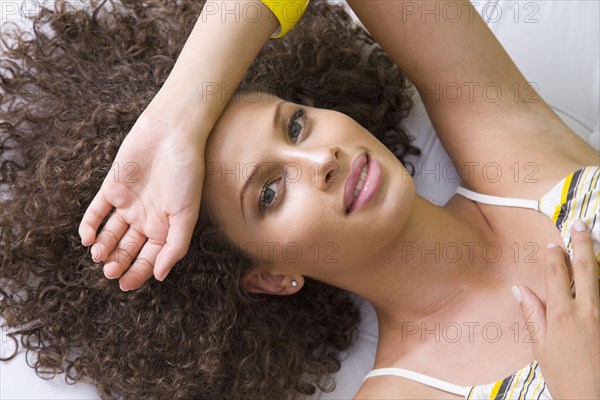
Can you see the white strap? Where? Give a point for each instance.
(497, 201)
(424, 379)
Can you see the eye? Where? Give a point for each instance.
(297, 124)
(269, 194)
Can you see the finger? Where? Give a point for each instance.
(109, 237)
(558, 287)
(534, 314)
(142, 268)
(585, 267)
(93, 217)
(178, 242)
(124, 254)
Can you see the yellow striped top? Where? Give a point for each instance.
(574, 197)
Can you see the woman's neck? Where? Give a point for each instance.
(436, 266)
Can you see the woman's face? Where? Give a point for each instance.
(275, 180)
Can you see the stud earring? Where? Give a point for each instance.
(294, 283)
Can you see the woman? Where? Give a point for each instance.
(253, 357)
(195, 335)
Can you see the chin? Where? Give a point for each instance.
(404, 198)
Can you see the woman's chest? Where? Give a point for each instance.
(488, 340)
(518, 251)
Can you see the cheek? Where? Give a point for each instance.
(304, 223)
(298, 232)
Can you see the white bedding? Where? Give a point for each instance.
(554, 43)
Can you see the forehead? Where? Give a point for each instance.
(248, 115)
(239, 141)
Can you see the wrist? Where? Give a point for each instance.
(183, 114)
(216, 55)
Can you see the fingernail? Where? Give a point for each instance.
(121, 287)
(110, 277)
(96, 251)
(517, 293)
(551, 245)
(163, 275)
(579, 225)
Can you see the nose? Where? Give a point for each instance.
(318, 166)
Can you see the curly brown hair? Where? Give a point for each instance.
(71, 91)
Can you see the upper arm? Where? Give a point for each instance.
(494, 125)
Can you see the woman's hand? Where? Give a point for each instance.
(155, 185)
(156, 181)
(568, 337)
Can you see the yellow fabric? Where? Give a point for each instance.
(287, 12)
(495, 389)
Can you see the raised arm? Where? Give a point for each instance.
(481, 106)
(154, 187)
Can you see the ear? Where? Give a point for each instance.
(270, 282)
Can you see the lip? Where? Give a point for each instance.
(370, 185)
(353, 179)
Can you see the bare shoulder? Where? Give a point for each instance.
(522, 156)
(396, 388)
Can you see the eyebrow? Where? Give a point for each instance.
(252, 176)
